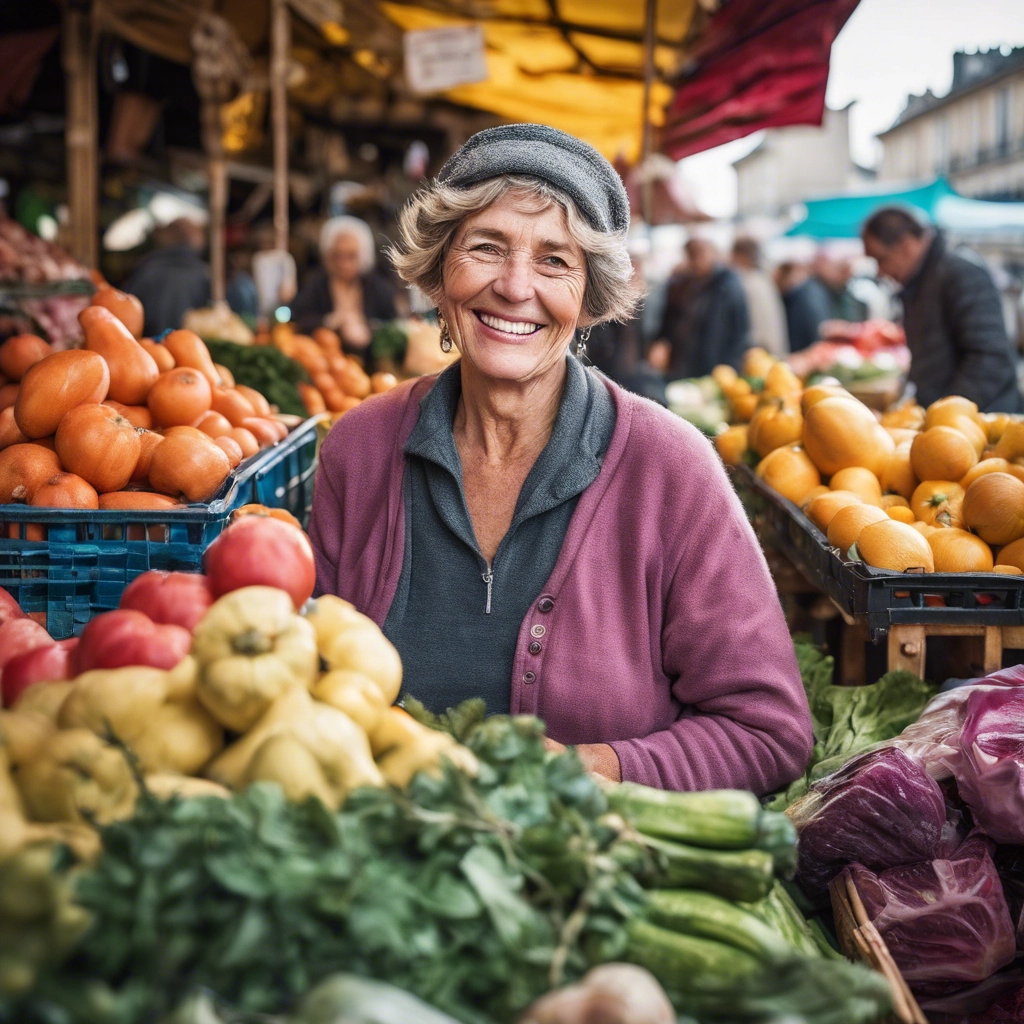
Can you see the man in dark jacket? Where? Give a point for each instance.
(951, 313)
(173, 278)
(706, 320)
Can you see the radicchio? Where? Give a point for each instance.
(990, 771)
(881, 809)
(945, 922)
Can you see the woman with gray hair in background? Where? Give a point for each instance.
(527, 532)
(346, 293)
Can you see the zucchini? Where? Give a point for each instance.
(742, 875)
(685, 964)
(710, 917)
(776, 835)
(778, 911)
(723, 819)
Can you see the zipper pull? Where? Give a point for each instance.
(488, 578)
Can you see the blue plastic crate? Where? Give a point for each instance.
(88, 558)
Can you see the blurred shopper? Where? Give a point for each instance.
(346, 293)
(829, 290)
(951, 313)
(173, 278)
(240, 291)
(767, 313)
(799, 302)
(706, 321)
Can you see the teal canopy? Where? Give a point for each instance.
(842, 216)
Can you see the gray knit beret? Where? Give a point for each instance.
(557, 157)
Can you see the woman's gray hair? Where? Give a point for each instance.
(359, 230)
(428, 223)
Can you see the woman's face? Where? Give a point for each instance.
(513, 289)
(343, 258)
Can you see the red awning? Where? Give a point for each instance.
(761, 64)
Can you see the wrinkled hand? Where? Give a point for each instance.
(597, 758)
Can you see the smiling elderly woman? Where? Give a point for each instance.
(525, 531)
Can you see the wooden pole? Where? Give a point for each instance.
(81, 131)
(280, 43)
(218, 171)
(647, 183)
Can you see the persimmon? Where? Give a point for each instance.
(942, 453)
(255, 399)
(57, 384)
(227, 378)
(214, 425)
(145, 501)
(126, 307)
(262, 430)
(9, 432)
(788, 470)
(21, 352)
(100, 445)
(994, 508)
(133, 371)
(66, 490)
(231, 448)
(148, 441)
(892, 545)
(163, 359)
(188, 467)
(821, 509)
(328, 340)
(314, 401)
(245, 440)
(263, 510)
(382, 382)
(959, 551)
(847, 523)
(841, 432)
(232, 405)
(189, 350)
(24, 468)
(179, 397)
(138, 415)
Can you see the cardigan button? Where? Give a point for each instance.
(545, 604)
(529, 677)
(535, 648)
(537, 631)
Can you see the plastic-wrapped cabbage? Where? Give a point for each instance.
(945, 921)
(990, 770)
(880, 810)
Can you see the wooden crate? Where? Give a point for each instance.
(860, 940)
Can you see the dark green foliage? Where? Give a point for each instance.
(266, 370)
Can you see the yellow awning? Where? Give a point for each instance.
(572, 64)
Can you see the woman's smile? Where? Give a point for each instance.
(507, 328)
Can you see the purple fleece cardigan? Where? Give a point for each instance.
(661, 632)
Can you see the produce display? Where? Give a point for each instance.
(928, 825)
(934, 490)
(854, 352)
(27, 259)
(124, 422)
(336, 382)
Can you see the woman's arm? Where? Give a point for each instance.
(745, 722)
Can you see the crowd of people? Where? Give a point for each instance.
(713, 306)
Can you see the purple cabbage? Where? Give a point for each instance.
(990, 770)
(945, 922)
(881, 809)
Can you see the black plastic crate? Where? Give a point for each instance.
(883, 597)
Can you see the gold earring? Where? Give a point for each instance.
(446, 338)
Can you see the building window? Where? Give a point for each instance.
(1002, 120)
(941, 145)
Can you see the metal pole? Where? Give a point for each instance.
(79, 58)
(647, 184)
(281, 31)
(218, 171)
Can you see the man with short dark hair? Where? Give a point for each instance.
(951, 313)
(706, 321)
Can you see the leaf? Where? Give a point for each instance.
(498, 886)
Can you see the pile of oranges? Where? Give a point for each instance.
(124, 422)
(339, 382)
(938, 489)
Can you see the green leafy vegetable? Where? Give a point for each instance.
(265, 369)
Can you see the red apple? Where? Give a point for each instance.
(9, 608)
(170, 598)
(47, 664)
(18, 636)
(260, 551)
(127, 637)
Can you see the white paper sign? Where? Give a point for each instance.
(440, 58)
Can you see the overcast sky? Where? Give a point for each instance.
(887, 49)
